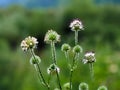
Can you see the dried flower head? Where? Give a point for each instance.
(52, 36)
(66, 86)
(76, 25)
(35, 60)
(77, 49)
(65, 47)
(102, 88)
(83, 86)
(52, 69)
(29, 43)
(89, 57)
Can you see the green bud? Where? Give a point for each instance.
(66, 86)
(102, 88)
(83, 86)
(65, 47)
(56, 89)
(77, 49)
(35, 60)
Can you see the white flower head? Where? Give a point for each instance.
(29, 43)
(52, 36)
(52, 69)
(89, 57)
(76, 25)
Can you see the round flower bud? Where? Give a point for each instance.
(83, 86)
(89, 57)
(76, 25)
(66, 86)
(52, 36)
(29, 43)
(56, 89)
(35, 60)
(77, 49)
(52, 69)
(102, 88)
(65, 47)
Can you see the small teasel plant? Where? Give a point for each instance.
(102, 88)
(89, 58)
(76, 26)
(83, 86)
(51, 38)
(29, 44)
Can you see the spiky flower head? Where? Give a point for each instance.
(102, 88)
(76, 25)
(35, 60)
(66, 86)
(83, 86)
(89, 57)
(65, 47)
(77, 49)
(29, 43)
(52, 36)
(52, 69)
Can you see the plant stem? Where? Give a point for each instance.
(39, 70)
(53, 52)
(71, 71)
(67, 57)
(91, 71)
(55, 62)
(76, 37)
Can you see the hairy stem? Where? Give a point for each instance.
(91, 71)
(71, 71)
(53, 52)
(40, 73)
(76, 37)
(55, 62)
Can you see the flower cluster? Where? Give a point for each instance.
(52, 36)
(76, 25)
(29, 43)
(89, 57)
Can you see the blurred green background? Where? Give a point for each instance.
(102, 35)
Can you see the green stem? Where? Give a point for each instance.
(55, 62)
(53, 52)
(49, 79)
(39, 70)
(76, 37)
(91, 71)
(67, 57)
(71, 71)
